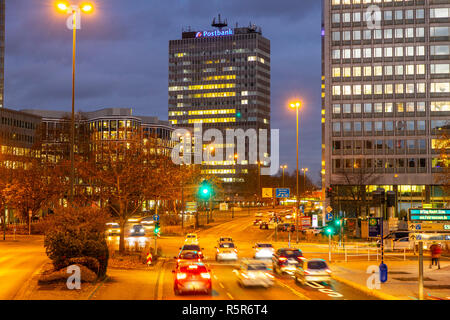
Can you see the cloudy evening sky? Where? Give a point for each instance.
(123, 58)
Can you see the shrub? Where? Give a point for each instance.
(77, 232)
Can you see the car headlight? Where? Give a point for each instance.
(142, 230)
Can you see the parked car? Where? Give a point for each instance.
(312, 270)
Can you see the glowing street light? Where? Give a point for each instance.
(297, 105)
(74, 11)
(283, 168)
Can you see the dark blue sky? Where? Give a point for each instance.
(123, 58)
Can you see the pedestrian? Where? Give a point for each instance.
(435, 250)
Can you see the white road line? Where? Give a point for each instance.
(215, 277)
(221, 285)
(294, 291)
(230, 296)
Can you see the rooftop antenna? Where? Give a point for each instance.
(220, 23)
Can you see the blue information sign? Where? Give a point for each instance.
(282, 192)
(429, 214)
(329, 216)
(155, 217)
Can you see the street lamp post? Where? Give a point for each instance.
(297, 105)
(283, 168)
(74, 11)
(305, 170)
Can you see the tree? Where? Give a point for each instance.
(443, 177)
(6, 178)
(35, 186)
(122, 175)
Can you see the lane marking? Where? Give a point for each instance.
(221, 285)
(230, 296)
(215, 277)
(301, 295)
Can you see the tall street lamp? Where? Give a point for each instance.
(283, 168)
(297, 105)
(74, 11)
(305, 170)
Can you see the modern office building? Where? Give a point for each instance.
(221, 79)
(110, 124)
(386, 97)
(2, 52)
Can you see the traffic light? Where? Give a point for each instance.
(329, 192)
(329, 230)
(157, 229)
(205, 190)
(337, 223)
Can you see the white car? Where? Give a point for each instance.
(226, 251)
(254, 273)
(263, 251)
(312, 270)
(191, 238)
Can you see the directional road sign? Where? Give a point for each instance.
(156, 217)
(282, 192)
(329, 216)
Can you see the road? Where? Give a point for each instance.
(157, 282)
(19, 260)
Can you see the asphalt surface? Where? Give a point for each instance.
(19, 260)
(156, 283)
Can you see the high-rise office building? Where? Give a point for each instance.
(221, 79)
(2, 52)
(386, 97)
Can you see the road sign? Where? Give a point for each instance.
(429, 226)
(429, 215)
(329, 209)
(329, 216)
(267, 192)
(191, 206)
(282, 192)
(374, 227)
(156, 217)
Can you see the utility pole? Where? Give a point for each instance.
(420, 270)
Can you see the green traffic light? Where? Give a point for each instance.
(337, 222)
(329, 230)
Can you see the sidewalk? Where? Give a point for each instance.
(402, 281)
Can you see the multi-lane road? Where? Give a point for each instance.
(157, 282)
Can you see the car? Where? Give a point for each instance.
(312, 270)
(286, 260)
(272, 225)
(112, 229)
(258, 215)
(257, 222)
(264, 225)
(263, 250)
(191, 238)
(148, 223)
(313, 230)
(393, 236)
(226, 251)
(402, 243)
(188, 256)
(285, 227)
(225, 239)
(193, 247)
(137, 230)
(254, 273)
(192, 277)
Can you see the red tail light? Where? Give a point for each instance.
(282, 259)
(307, 272)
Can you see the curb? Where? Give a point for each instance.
(371, 292)
(26, 289)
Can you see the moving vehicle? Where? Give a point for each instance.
(225, 239)
(263, 250)
(148, 223)
(264, 225)
(285, 227)
(112, 229)
(286, 260)
(257, 222)
(226, 251)
(137, 230)
(192, 277)
(191, 238)
(188, 256)
(193, 247)
(312, 270)
(393, 236)
(258, 215)
(254, 273)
